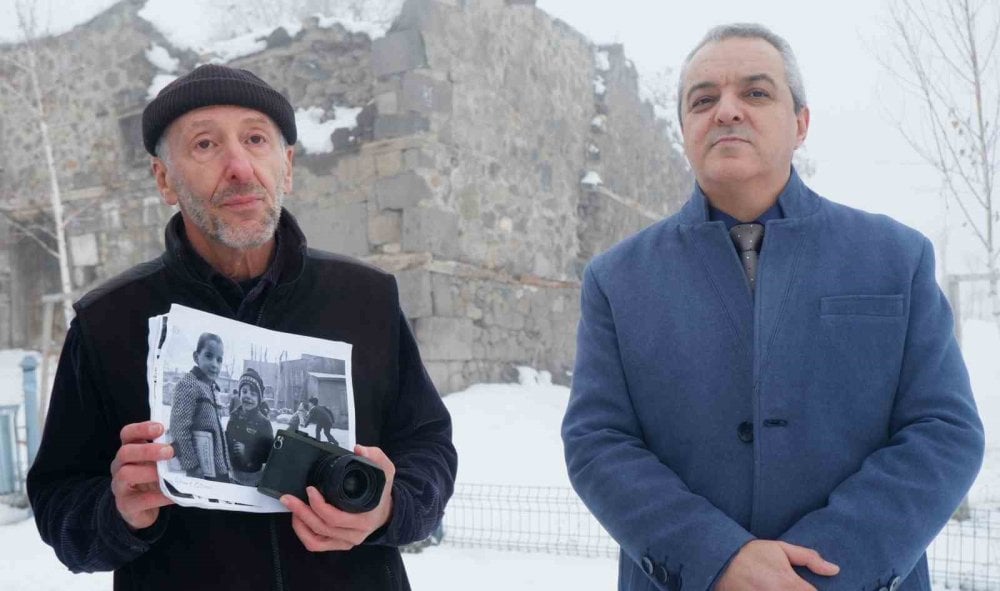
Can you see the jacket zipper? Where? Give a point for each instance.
(279, 585)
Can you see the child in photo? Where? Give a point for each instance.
(323, 418)
(194, 415)
(249, 432)
(298, 418)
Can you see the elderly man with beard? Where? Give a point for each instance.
(221, 140)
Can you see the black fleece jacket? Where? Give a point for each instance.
(100, 387)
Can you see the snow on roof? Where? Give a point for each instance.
(591, 179)
(602, 59)
(161, 58)
(315, 133)
(599, 86)
(222, 36)
(188, 24)
(159, 81)
(372, 17)
(326, 376)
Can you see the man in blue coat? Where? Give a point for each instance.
(768, 394)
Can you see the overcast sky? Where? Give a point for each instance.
(860, 157)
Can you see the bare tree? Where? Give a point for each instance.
(25, 62)
(944, 54)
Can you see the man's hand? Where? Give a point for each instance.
(133, 474)
(767, 565)
(322, 527)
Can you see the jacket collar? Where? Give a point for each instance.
(796, 201)
(289, 258)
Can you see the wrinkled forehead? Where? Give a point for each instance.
(219, 117)
(733, 60)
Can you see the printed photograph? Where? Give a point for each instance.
(223, 389)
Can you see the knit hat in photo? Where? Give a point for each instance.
(252, 379)
(211, 85)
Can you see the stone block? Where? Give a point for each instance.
(445, 339)
(424, 94)
(341, 228)
(430, 230)
(386, 227)
(443, 295)
(401, 191)
(387, 103)
(389, 163)
(414, 158)
(415, 292)
(390, 126)
(398, 52)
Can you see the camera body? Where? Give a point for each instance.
(347, 481)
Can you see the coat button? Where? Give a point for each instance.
(661, 574)
(647, 566)
(895, 583)
(745, 431)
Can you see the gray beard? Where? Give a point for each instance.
(242, 237)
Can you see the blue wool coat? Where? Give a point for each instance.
(832, 411)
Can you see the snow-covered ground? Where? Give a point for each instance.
(496, 425)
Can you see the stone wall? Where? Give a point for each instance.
(464, 176)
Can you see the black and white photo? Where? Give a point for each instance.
(224, 388)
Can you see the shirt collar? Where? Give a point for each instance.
(773, 213)
(795, 201)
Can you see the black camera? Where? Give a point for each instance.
(347, 481)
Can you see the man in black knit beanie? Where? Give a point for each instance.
(222, 146)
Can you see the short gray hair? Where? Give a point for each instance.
(750, 31)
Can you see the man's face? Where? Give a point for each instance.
(228, 173)
(739, 119)
(209, 358)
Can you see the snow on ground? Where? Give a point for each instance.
(981, 348)
(446, 568)
(497, 426)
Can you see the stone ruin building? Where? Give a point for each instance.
(495, 151)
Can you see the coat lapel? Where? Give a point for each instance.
(780, 261)
(721, 265)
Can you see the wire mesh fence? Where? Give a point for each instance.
(964, 556)
(525, 518)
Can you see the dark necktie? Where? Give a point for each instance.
(747, 238)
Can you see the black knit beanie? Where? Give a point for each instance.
(210, 85)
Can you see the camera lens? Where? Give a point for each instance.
(355, 483)
(348, 482)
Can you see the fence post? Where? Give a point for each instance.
(31, 419)
(9, 475)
